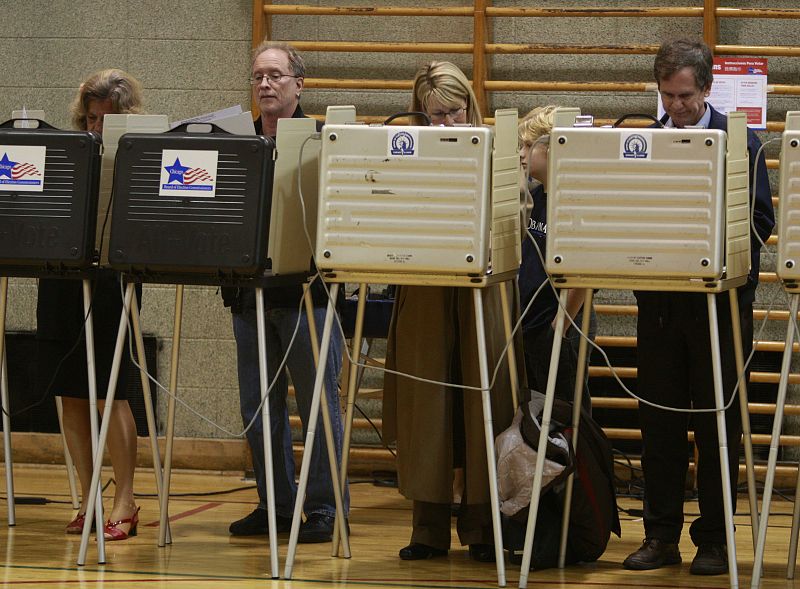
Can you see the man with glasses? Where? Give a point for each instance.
(277, 75)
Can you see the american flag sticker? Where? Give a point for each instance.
(188, 172)
(22, 168)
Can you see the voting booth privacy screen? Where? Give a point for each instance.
(191, 203)
(653, 205)
(788, 267)
(48, 198)
(418, 200)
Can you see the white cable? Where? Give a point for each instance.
(757, 339)
(357, 361)
(194, 411)
(501, 358)
(753, 186)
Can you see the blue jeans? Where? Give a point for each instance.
(280, 323)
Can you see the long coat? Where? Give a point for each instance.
(433, 335)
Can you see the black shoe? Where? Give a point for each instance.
(711, 559)
(653, 554)
(482, 552)
(416, 551)
(255, 524)
(317, 528)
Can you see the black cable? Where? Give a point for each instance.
(200, 494)
(377, 432)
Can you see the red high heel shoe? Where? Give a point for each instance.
(112, 532)
(76, 525)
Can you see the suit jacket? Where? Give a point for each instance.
(760, 202)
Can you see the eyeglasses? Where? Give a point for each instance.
(453, 114)
(271, 78)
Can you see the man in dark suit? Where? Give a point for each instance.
(674, 353)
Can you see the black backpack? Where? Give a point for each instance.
(593, 514)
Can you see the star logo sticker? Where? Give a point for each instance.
(6, 165)
(175, 171)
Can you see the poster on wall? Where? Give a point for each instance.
(740, 83)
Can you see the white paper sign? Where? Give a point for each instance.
(22, 168)
(740, 83)
(188, 172)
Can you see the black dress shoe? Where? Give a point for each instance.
(416, 551)
(653, 554)
(255, 524)
(317, 528)
(711, 559)
(482, 552)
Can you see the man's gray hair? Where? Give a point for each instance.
(295, 59)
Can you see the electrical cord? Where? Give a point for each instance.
(337, 320)
(197, 413)
(498, 365)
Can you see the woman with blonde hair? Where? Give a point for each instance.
(432, 335)
(61, 343)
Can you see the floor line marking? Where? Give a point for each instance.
(184, 514)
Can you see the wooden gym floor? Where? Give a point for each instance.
(38, 554)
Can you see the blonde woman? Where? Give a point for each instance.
(432, 335)
(60, 325)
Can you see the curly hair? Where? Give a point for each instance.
(124, 91)
(443, 81)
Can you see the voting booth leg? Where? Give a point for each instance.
(747, 441)
(101, 442)
(170, 436)
(147, 395)
(92, 381)
(266, 429)
(326, 422)
(509, 329)
(310, 433)
(796, 512)
(70, 466)
(790, 566)
(783, 385)
(725, 472)
(533, 510)
(12, 518)
(352, 383)
(488, 430)
(577, 402)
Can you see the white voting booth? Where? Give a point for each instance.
(422, 206)
(788, 270)
(648, 209)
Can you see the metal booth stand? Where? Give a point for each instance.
(356, 177)
(58, 176)
(165, 230)
(787, 270)
(602, 261)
